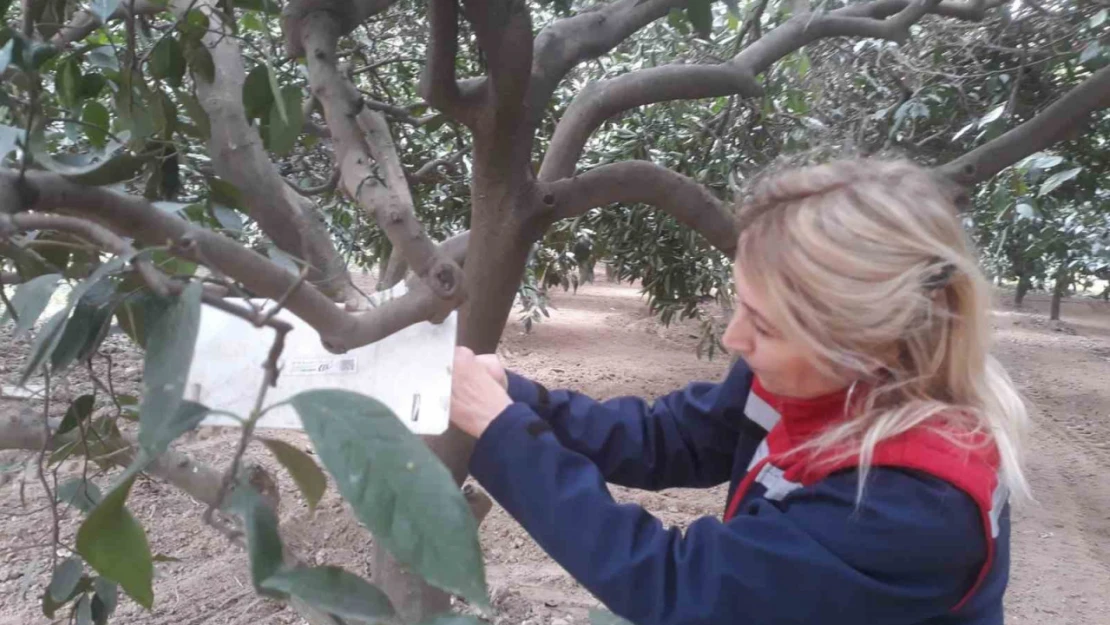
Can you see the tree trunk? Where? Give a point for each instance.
(495, 259)
(1022, 288)
(1058, 292)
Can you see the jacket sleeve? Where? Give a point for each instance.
(907, 553)
(681, 439)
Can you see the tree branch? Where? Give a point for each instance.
(1053, 124)
(238, 156)
(84, 22)
(24, 430)
(503, 29)
(591, 33)
(396, 268)
(136, 218)
(371, 169)
(438, 84)
(348, 15)
(428, 170)
(634, 182)
(603, 99)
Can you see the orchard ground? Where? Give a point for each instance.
(601, 341)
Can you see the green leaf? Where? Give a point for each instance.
(79, 493)
(138, 313)
(51, 333)
(282, 133)
(83, 613)
(700, 15)
(257, 95)
(1057, 179)
(104, 57)
(169, 353)
(87, 327)
(65, 578)
(114, 544)
(334, 591)
(678, 20)
(601, 617)
(67, 82)
(30, 299)
(103, 9)
(223, 192)
(228, 218)
(167, 61)
(196, 113)
(200, 60)
(78, 411)
(105, 599)
(96, 119)
(993, 115)
(306, 473)
(392, 480)
(1098, 18)
(261, 526)
(91, 86)
(1092, 50)
(276, 93)
(9, 136)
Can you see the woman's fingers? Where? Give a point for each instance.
(476, 396)
(493, 364)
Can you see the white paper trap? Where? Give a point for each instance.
(409, 371)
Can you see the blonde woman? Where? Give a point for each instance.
(870, 440)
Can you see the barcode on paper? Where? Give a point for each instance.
(321, 366)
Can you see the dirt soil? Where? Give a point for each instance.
(601, 341)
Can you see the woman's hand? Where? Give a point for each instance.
(477, 397)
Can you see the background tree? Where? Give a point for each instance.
(277, 146)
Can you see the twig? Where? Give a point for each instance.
(375, 65)
(48, 437)
(280, 303)
(270, 379)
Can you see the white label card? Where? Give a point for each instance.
(410, 371)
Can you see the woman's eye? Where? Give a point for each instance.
(761, 331)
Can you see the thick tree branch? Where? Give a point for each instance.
(24, 430)
(1053, 124)
(503, 29)
(396, 268)
(591, 33)
(136, 218)
(888, 19)
(438, 82)
(238, 156)
(429, 170)
(348, 15)
(371, 169)
(603, 99)
(636, 182)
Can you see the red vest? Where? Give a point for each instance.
(971, 465)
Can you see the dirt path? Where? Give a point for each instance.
(603, 341)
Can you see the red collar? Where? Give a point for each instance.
(802, 419)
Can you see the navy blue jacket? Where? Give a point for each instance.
(905, 555)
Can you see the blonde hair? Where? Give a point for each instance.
(866, 262)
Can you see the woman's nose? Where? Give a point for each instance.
(738, 335)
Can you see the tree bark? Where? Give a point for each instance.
(1058, 292)
(1022, 288)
